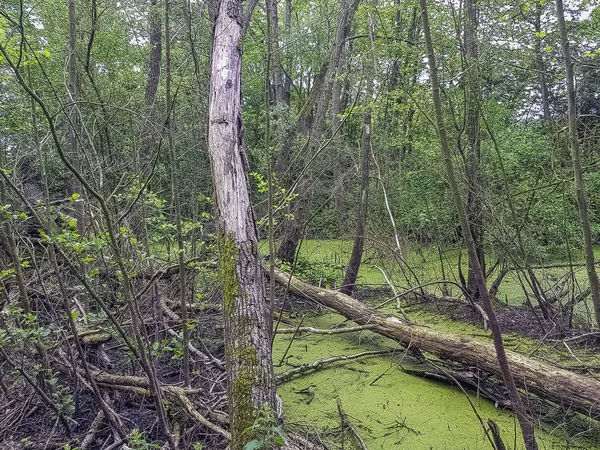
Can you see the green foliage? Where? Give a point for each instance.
(269, 435)
(70, 447)
(322, 273)
(61, 397)
(137, 442)
(122, 140)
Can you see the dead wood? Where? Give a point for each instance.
(495, 431)
(177, 394)
(322, 362)
(567, 389)
(346, 423)
(329, 332)
(468, 377)
(89, 437)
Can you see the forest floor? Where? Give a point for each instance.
(387, 406)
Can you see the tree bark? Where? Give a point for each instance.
(278, 81)
(473, 151)
(404, 74)
(363, 206)
(247, 314)
(576, 156)
(74, 120)
(292, 232)
(155, 42)
(287, 83)
(570, 390)
(541, 68)
(522, 416)
(151, 129)
(338, 167)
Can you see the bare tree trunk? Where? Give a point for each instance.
(247, 313)
(404, 74)
(292, 232)
(576, 155)
(150, 134)
(541, 68)
(155, 43)
(362, 210)
(361, 219)
(337, 108)
(293, 229)
(287, 83)
(74, 121)
(278, 81)
(473, 151)
(519, 409)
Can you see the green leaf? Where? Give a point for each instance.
(255, 444)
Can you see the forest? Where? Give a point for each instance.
(299, 224)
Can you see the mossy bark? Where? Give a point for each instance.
(247, 318)
(247, 336)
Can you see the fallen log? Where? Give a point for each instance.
(570, 390)
(141, 385)
(331, 331)
(323, 362)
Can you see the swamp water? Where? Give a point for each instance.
(389, 408)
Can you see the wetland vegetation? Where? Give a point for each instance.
(299, 224)
(394, 408)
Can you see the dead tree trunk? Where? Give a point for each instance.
(247, 313)
(567, 389)
(361, 218)
(576, 155)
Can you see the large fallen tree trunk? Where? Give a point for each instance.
(570, 390)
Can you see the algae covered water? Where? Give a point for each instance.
(388, 407)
